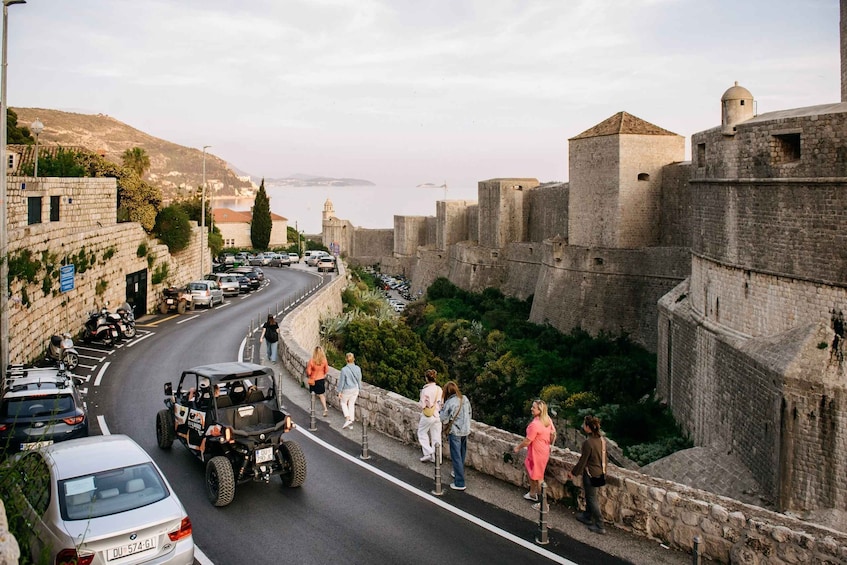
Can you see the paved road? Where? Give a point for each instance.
(347, 511)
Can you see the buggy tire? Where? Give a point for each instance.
(71, 360)
(293, 463)
(180, 307)
(190, 306)
(220, 481)
(165, 432)
(163, 308)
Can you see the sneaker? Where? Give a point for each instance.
(536, 506)
(532, 497)
(585, 519)
(455, 487)
(452, 475)
(326, 413)
(346, 425)
(597, 529)
(426, 458)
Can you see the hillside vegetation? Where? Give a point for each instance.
(175, 169)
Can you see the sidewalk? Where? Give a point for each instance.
(495, 492)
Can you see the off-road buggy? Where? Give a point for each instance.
(227, 415)
(176, 298)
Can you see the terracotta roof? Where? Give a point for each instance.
(225, 215)
(623, 124)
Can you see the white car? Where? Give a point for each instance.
(326, 263)
(101, 500)
(294, 258)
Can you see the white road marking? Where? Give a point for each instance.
(104, 429)
(200, 557)
(188, 319)
(101, 373)
(438, 502)
(140, 339)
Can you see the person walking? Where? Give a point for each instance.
(349, 385)
(270, 333)
(540, 435)
(592, 466)
(456, 414)
(316, 370)
(429, 425)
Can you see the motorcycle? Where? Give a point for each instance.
(61, 350)
(124, 319)
(100, 327)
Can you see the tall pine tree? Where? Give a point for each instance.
(260, 226)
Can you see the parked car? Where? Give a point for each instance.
(238, 433)
(206, 293)
(280, 260)
(260, 259)
(312, 260)
(294, 258)
(244, 285)
(326, 263)
(227, 281)
(101, 500)
(39, 407)
(250, 274)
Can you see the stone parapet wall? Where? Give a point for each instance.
(523, 265)
(548, 212)
(476, 268)
(430, 264)
(670, 513)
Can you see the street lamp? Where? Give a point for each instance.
(203, 211)
(37, 127)
(4, 166)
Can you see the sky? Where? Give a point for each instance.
(405, 92)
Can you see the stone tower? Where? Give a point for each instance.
(736, 107)
(329, 210)
(615, 182)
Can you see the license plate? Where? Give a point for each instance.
(35, 444)
(170, 301)
(264, 455)
(131, 548)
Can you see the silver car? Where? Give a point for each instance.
(228, 282)
(206, 293)
(101, 499)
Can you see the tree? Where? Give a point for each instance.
(136, 160)
(260, 225)
(172, 228)
(14, 134)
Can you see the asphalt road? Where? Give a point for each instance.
(347, 511)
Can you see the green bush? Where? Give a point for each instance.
(172, 228)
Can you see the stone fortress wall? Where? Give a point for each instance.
(85, 231)
(670, 513)
(731, 267)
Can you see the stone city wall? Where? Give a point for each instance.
(587, 288)
(675, 213)
(548, 212)
(504, 211)
(593, 196)
(371, 245)
(430, 264)
(452, 226)
(661, 510)
(476, 268)
(103, 253)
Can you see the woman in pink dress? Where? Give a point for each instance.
(540, 435)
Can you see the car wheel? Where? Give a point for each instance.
(163, 308)
(71, 360)
(165, 432)
(220, 481)
(293, 463)
(180, 307)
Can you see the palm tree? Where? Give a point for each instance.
(136, 160)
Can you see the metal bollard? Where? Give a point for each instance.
(312, 426)
(364, 454)
(437, 491)
(542, 518)
(696, 553)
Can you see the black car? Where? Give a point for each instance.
(243, 284)
(252, 276)
(227, 415)
(40, 406)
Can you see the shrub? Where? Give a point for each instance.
(172, 228)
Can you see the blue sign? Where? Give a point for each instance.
(66, 277)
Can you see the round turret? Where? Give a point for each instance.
(736, 107)
(329, 210)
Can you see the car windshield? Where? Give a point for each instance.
(197, 286)
(37, 406)
(110, 492)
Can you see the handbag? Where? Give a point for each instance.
(446, 429)
(599, 480)
(429, 411)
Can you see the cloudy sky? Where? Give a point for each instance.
(403, 92)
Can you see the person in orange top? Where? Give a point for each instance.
(540, 435)
(316, 370)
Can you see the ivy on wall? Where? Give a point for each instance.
(160, 274)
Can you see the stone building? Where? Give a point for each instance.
(235, 228)
(731, 267)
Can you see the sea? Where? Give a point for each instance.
(364, 206)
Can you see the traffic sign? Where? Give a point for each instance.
(66, 277)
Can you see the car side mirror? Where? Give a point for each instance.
(169, 389)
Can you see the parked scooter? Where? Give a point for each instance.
(100, 327)
(61, 350)
(124, 319)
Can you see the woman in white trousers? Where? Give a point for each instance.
(429, 426)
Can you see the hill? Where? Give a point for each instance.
(174, 168)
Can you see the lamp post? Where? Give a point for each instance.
(36, 127)
(203, 212)
(4, 169)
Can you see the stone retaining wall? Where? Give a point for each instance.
(674, 514)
